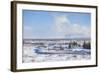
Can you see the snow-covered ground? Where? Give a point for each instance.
(29, 55)
(35, 53)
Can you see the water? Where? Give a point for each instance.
(30, 55)
(50, 52)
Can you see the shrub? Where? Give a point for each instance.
(87, 45)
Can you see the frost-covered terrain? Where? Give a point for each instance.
(48, 52)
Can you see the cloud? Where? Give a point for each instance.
(64, 27)
(60, 22)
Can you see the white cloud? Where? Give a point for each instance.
(60, 22)
(64, 27)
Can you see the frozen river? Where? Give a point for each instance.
(55, 50)
(30, 55)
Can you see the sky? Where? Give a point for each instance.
(51, 24)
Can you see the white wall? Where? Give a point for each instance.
(5, 37)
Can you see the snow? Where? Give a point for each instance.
(30, 54)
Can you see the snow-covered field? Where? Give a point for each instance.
(37, 53)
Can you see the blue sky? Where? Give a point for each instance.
(49, 24)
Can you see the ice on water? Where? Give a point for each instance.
(37, 53)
